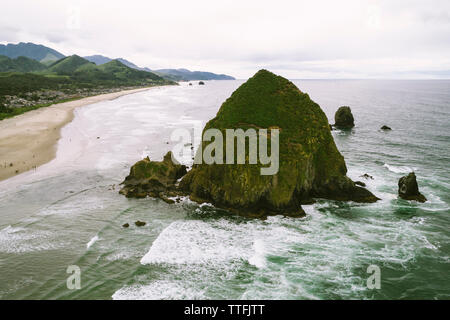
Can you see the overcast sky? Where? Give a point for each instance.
(296, 39)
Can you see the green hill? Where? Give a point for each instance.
(68, 65)
(20, 64)
(121, 71)
(68, 74)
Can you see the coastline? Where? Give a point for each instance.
(29, 140)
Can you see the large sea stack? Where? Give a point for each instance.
(310, 164)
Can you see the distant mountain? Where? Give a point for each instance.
(184, 74)
(30, 50)
(171, 74)
(99, 60)
(57, 63)
(20, 64)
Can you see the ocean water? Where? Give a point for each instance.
(68, 212)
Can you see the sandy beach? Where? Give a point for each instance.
(29, 140)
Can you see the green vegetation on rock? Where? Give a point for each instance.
(153, 178)
(310, 164)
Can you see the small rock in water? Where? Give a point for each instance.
(126, 225)
(140, 223)
(344, 118)
(385, 128)
(166, 200)
(360, 183)
(408, 188)
(366, 176)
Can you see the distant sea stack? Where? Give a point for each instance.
(310, 166)
(408, 188)
(343, 118)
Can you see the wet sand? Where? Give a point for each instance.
(29, 140)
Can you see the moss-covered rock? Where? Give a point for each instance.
(408, 188)
(153, 178)
(310, 164)
(343, 118)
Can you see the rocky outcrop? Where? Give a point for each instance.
(360, 183)
(408, 188)
(153, 178)
(366, 176)
(201, 83)
(343, 118)
(310, 166)
(385, 128)
(140, 223)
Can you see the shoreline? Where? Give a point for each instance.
(29, 140)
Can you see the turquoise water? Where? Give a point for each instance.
(69, 212)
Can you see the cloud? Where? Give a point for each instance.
(355, 38)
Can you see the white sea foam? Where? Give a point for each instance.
(258, 259)
(70, 207)
(399, 169)
(158, 290)
(92, 241)
(196, 242)
(19, 240)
